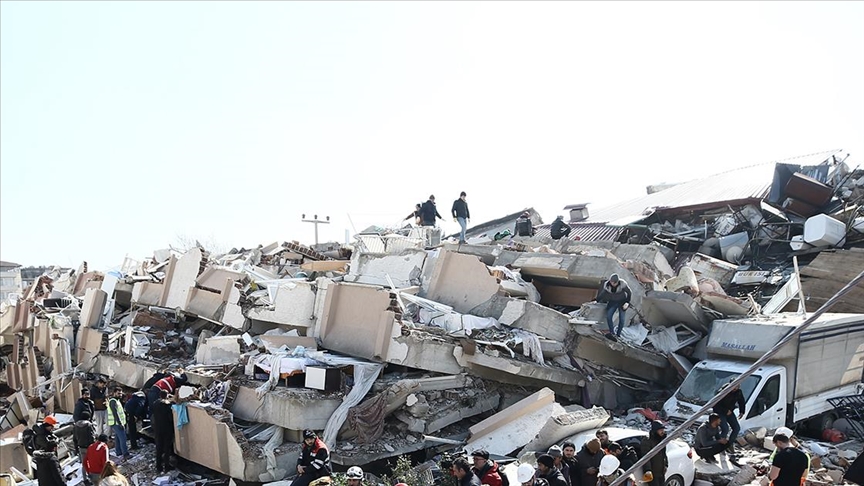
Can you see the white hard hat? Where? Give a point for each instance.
(524, 473)
(784, 430)
(609, 464)
(354, 472)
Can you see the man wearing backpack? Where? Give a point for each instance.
(41, 436)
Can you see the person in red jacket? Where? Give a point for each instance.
(96, 458)
(485, 469)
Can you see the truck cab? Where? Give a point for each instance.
(764, 391)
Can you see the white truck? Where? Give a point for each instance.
(825, 361)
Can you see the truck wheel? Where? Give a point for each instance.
(820, 423)
(675, 480)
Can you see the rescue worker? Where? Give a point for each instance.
(428, 212)
(616, 293)
(136, 409)
(610, 470)
(117, 422)
(655, 468)
(725, 408)
(314, 460)
(485, 468)
(546, 470)
(559, 229)
(162, 425)
(524, 226)
(44, 438)
(464, 476)
(84, 404)
(48, 471)
(526, 476)
(794, 443)
(354, 476)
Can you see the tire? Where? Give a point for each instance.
(675, 480)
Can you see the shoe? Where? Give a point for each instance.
(611, 337)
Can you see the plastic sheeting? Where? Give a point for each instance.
(530, 345)
(364, 376)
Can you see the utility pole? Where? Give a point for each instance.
(316, 221)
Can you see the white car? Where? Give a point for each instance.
(682, 470)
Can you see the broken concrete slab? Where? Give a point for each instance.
(134, 372)
(525, 315)
(424, 352)
(180, 278)
(218, 350)
(574, 420)
(647, 365)
(509, 370)
(352, 311)
(706, 266)
(13, 454)
(294, 305)
(515, 426)
(440, 418)
(91, 310)
(669, 308)
(459, 281)
(292, 408)
(404, 268)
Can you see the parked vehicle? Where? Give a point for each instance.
(793, 388)
(682, 470)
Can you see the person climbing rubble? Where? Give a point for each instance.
(655, 469)
(314, 460)
(485, 468)
(415, 215)
(710, 440)
(617, 294)
(725, 408)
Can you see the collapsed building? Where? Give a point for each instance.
(401, 343)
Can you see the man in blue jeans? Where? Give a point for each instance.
(616, 293)
(725, 408)
(461, 214)
(117, 422)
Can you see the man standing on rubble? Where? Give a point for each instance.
(136, 408)
(588, 462)
(48, 471)
(725, 408)
(485, 468)
(314, 460)
(170, 383)
(709, 439)
(461, 215)
(655, 468)
(151, 395)
(616, 293)
(97, 393)
(84, 404)
(41, 436)
(117, 422)
(96, 458)
(162, 424)
(789, 464)
(83, 434)
(428, 212)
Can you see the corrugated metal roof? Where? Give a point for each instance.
(752, 182)
(585, 231)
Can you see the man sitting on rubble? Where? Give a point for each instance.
(485, 468)
(524, 227)
(314, 460)
(546, 470)
(616, 293)
(559, 228)
(709, 439)
(464, 476)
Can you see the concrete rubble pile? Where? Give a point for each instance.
(406, 341)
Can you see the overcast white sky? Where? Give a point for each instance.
(124, 125)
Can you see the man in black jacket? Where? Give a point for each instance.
(314, 460)
(524, 226)
(462, 470)
(546, 470)
(83, 434)
(589, 462)
(43, 434)
(559, 228)
(48, 471)
(136, 409)
(569, 450)
(655, 469)
(616, 293)
(725, 408)
(709, 440)
(461, 215)
(627, 456)
(162, 425)
(84, 404)
(428, 212)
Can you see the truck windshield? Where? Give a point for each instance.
(702, 384)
